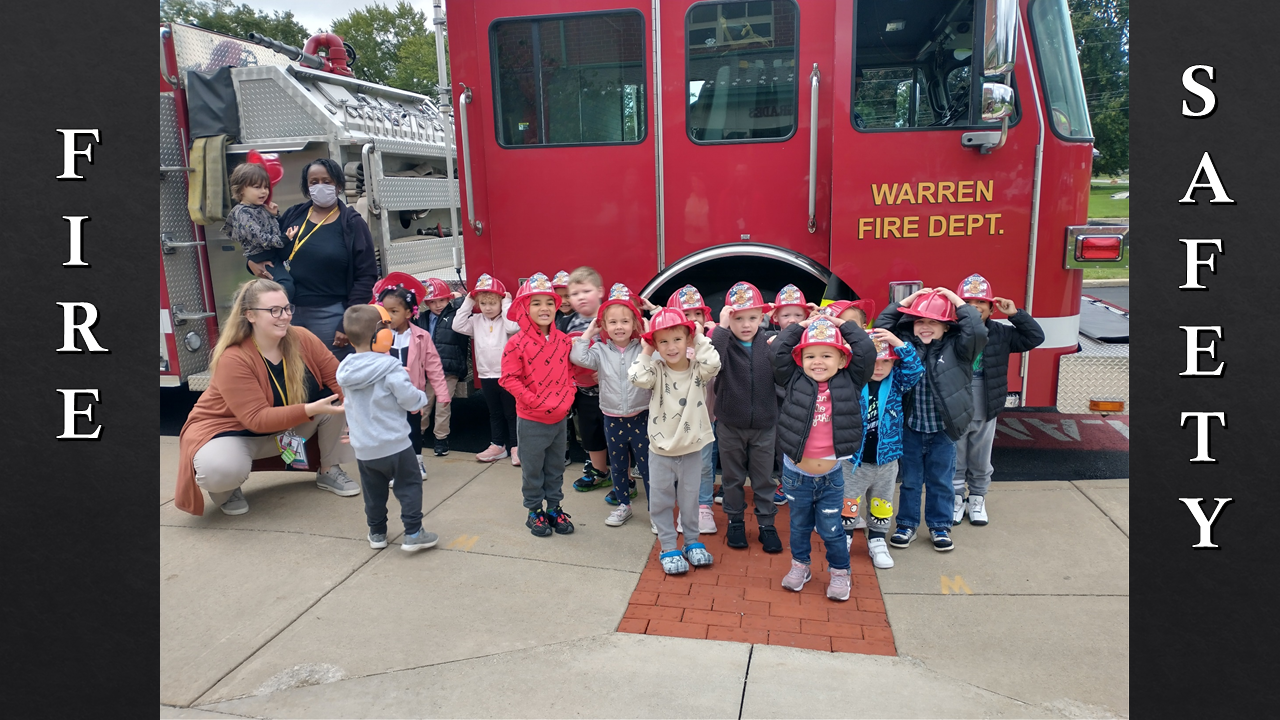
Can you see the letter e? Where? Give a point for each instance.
(1193, 334)
(70, 412)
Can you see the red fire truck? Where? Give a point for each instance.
(852, 147)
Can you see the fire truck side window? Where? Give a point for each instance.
(913, 65)
(587, 85)
(740, 70)
(1056, 54)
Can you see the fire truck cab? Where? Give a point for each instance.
(853, 148)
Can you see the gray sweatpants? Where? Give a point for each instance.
(542, 449)
(376, 477)
(875, 483)
(746, 452)
(973, 449)
(674, 481)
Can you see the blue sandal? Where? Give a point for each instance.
(673, 563)
(697, 554)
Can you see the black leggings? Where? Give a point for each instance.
(415, 431)
(502, 413)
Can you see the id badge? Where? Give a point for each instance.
(292, 449)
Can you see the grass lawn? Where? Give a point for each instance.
(1102, 206)
(1107, 274)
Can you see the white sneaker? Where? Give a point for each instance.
(422, 467)
(680, 523)
(706, 520)
(653, 527)
(848, 541)
(977, 510)
(879, 552)
(957, 512)
(619, 516)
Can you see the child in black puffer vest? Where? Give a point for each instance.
(454, 347)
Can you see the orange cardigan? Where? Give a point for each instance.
(239, 398)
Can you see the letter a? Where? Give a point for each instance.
(1212, 181)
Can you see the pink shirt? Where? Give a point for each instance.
(821, 444)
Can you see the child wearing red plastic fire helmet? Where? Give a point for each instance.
(990, 386)
(689, 301)
(949, 335)
(609, 346)
(535, 369)
(679, 427)
(746, 414)
(442, 307)
(822, 364)
(789, 308)
(483, 317)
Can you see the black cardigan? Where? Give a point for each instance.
(362, 271)
(745, 395)
(795, 417)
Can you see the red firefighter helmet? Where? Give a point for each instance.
(821, 332)
(884, 351)
(744, 296)
(537, 284)
(867, 306)
(401, 280)
(975, 287)
(789, 296)
(665, 319)
(488, 283)
(932, 305)
(561, 280)
(271, 163)
(688, 298)
(620, 294)
(437, 289)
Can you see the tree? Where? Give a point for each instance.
(393, 46)
(238, 20)
(1102, 45)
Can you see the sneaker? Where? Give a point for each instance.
(957, 510)
(236, 504)
(377, 541)
(422, 467)
(717, 496)
(619, 517)
(653, 526)
(420, 540)
(538, 523)
(559, 520)
(442, 447)
(635, 475)
(977, 510)
(591, 479)
(612, 497)
(680, 524)
(838, 588)
(769, 539)
(494, 453)
(697, 555)
(736, 536)
(779, 497)
(673, 562)
(903, 536)
(515, 457)
(706, 520)
(337, 481)
(941, 540)
(879, 553)
(797, 577)
(848, 541)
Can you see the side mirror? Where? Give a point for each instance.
(997, 102)
(1000, 39)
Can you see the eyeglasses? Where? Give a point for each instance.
(277, 311)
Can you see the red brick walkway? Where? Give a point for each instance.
(740, 597)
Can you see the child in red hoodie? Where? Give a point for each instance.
(535, 370)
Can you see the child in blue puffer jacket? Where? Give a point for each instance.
(898, 369)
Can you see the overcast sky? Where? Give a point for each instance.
(314, 14)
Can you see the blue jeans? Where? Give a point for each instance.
(709, 455)
(815, 504)
(928, 459)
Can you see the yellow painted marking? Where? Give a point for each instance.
(464, 542)
(954, 585)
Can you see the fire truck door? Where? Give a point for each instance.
(737, 83)
(560, 138)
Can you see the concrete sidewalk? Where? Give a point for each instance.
(286, 612)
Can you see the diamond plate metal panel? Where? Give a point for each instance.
(1099, 370)
(199, 382)
(403, 193)
(420, 256)
(181, 267)
(268, 112)
(206, 51)
(392, 146)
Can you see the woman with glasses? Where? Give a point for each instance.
(272, 385)
(329, 252)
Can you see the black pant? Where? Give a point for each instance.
(376, 476)
(415, 432)
(502, 413)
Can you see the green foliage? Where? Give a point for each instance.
(1102, 45)
(393, 46)
(237, 20)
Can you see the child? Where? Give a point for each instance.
(398, 293)
(882, 441)
(679, 427)
(747, 413)
(949, 335)
(378, 393)
(561, 285)
(535, 369)
(689, 301)
(454, 348)
(990, 387)
(625, 406)
(789, 308)
(857, 312)
(585, 291)
(253, 222)
(491, 329)
(818, 426)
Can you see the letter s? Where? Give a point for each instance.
(1200, 91)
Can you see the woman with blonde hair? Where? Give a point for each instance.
(271, 382)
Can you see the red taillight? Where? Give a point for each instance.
(1103, 247)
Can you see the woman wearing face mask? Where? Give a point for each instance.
(329, 252)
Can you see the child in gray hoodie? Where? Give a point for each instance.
(378, 394)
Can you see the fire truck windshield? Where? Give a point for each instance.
(1059, 71)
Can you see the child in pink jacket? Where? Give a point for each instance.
(399, 293)
(483, 316)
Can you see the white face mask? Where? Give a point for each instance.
(323, 195)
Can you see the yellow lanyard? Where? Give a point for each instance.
(298, 245)
(284, 365)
